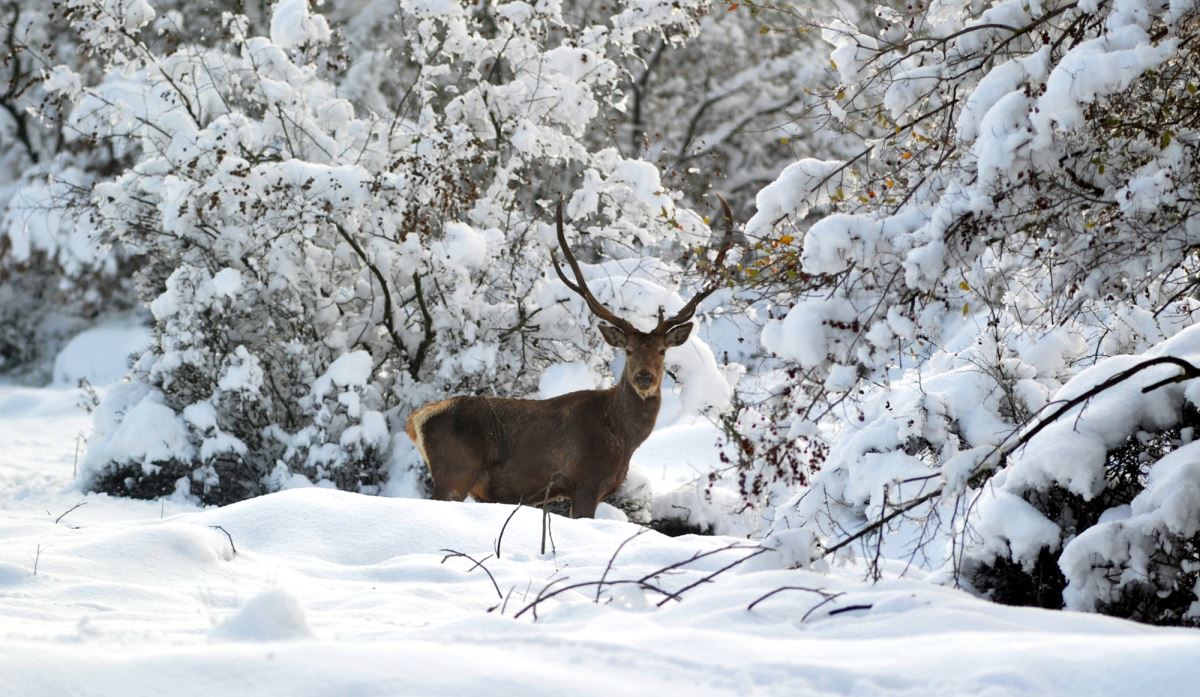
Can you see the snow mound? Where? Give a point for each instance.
(356, 594)
(12, 574)
(347, 528)
(274, 615)
(101, 354)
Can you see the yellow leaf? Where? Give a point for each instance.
(787, 239)
(833, 64)
(906, 155)
(964, 285)
(785, 140)
(966, 309)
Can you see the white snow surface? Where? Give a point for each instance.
(332, 593)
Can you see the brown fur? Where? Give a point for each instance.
(576, 446)
(417, 419)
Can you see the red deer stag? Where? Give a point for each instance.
(576, 446)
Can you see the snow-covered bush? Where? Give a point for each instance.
(1145, 566)
(1023, 206)
(1099, 509)
(317, 266)
(733, 105)
(55, 276)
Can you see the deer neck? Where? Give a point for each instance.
(631, 414)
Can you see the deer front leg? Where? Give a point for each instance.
(584, 501)
(453, 481)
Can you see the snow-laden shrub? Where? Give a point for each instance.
(56, 277)
(729, 108)
(1098, 509)
(1022, 207)
(1143, 562)
(635, 498)
(316, 269)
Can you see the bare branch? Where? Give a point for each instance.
(72, 508)
(451, 554)
(231, 545)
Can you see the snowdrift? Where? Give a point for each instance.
(331, 593)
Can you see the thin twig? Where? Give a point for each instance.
(504, 527)
(876, 573)
(644, 582)
(546, 520)
(613, 558)
(450, 554)
(814, 608)
(718, 572)
(850, 608)
(504, 605)
(542, 597)
(538, 598)
(75, 462)
(231, 545)
(806, 589)
(697, 556)
(826, 598)
(72, 508)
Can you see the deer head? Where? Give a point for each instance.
(645, 352)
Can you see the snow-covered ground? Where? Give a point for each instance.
(321, 592)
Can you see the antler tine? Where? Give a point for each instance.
(580, 287)
(689, 310)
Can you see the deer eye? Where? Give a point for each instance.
(662, 352)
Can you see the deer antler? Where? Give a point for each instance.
(690, 308)
(580, 285)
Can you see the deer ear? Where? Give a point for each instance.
(615, 337)
(677, 335)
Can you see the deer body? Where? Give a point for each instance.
(576, 446)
